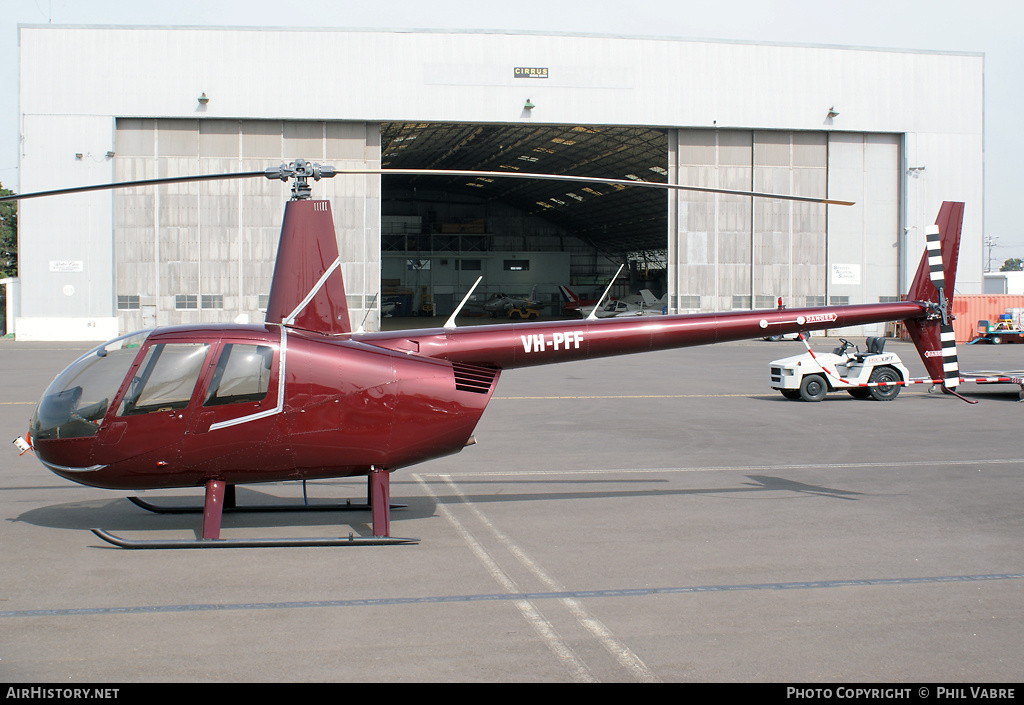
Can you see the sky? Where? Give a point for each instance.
(992, 27)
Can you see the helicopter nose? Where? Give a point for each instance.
(65, 458)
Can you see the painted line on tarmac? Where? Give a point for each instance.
(625, 396)
(503, 597)
(750, 395)
(579, 670)
(737, 468)
(622, 653)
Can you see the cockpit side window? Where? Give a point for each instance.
(242, 375)
(165, 379)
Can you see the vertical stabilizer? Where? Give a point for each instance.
(308, 290)
(934, 284)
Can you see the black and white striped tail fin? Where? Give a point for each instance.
(933, 285)
(950, 365)
(934, 248)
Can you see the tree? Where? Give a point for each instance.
(1014, 264)
(8, 250)
(8, 236)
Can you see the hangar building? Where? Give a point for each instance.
(895, 131)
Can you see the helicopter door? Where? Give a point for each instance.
(153, 412)
(239, 409)
(242, 387)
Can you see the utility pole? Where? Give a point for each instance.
(990, 242)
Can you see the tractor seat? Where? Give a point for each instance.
(873, 346)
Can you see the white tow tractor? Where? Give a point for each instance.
(871, 374)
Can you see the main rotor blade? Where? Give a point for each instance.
(592, 180)
(132, 184)
(432, 172)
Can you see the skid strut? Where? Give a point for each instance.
(220, 497)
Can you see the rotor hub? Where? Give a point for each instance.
(300, 171)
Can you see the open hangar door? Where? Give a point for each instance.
(525, 237)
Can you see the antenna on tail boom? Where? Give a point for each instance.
(451, 321)
(593, 314)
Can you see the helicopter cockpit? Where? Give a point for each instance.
(77, 400)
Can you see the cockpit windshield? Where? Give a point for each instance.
(74, 404)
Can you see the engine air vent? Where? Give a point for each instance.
(469, 378)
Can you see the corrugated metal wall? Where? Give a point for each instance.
(734, 252)
(738, 252)
(214, 243)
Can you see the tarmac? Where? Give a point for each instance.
(664, 517)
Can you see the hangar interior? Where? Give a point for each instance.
(187, 253)
(525, 237)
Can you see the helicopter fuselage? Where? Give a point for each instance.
(178, 407)
(250, 404)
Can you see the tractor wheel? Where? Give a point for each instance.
(885, 376)
(995, 340)
(813, 388)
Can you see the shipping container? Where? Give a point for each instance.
(968, 309)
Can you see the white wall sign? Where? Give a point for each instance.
(66, 265)
(846, 274)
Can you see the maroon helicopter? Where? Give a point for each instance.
(303, 397)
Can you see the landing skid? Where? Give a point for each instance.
(351, 540)
(220, 497)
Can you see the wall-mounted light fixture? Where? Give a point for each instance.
(110, 155)
(203, 100)
(528, 105)
(832, 112)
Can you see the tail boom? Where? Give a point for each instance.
(507, 346)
